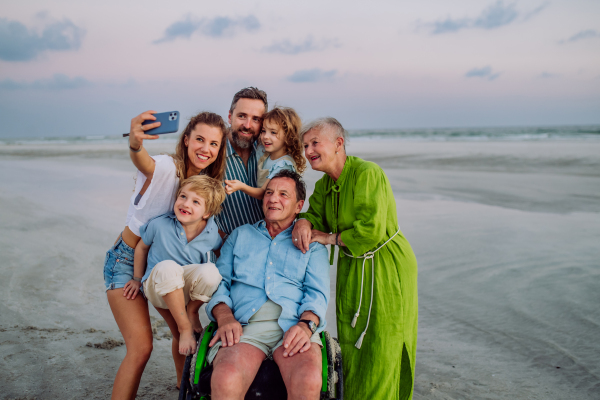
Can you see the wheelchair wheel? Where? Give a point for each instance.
(185, 388)
(340, 373)
(185, 392)
(335, 378)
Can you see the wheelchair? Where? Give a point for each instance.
(268, 384)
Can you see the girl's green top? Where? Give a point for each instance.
(361, 206)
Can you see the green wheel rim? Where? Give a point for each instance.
(203, 350)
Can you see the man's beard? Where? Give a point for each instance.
(240, 141)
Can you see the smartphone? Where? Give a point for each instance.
(169, 123)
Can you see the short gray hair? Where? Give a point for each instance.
(293, 175)
(326, 123)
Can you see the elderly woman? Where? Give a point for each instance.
(353, 207)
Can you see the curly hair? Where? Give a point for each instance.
(289, 121)
(182, 160)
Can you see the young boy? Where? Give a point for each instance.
(176, 247)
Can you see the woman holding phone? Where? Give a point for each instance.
(200, 150)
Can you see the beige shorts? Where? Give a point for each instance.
(198, 281)
(263, 332)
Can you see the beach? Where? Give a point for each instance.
(506, 234)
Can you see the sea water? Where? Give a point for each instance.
(528, 133)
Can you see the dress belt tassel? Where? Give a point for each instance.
(369, 255)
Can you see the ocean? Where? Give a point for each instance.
(528, 133)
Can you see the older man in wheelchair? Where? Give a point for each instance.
(270, 304)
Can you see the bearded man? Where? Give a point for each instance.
(245, 117)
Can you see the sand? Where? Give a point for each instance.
(507, 235)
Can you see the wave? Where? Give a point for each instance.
(531, 133)
(535, 133)
(106, 139)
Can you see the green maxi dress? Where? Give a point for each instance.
(361, 205)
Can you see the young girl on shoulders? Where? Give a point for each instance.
(280, 148)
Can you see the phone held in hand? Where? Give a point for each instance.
(169, 123)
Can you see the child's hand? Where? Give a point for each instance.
(233, 185)
(131, 289)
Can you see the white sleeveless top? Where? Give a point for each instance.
(158, 199)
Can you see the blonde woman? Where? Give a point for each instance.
(200, 150)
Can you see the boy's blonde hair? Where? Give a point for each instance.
(210, 189)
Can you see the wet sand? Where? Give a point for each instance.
(506, 235)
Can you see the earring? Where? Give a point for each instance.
(336, 152)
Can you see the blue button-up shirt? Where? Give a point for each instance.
(238, 207)
(256, 268)
(168, 241)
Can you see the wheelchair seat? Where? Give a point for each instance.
(268, 383)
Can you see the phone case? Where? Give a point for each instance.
(169, 123)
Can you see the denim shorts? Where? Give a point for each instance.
(118, 265)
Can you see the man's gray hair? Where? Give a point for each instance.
(331, 124)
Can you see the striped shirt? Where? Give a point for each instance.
(239, 208)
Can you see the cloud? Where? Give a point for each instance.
(57, 82)
(494, 16)
(308, 45)
(450, 25)
(535, 11)
(216, 27)
(311, 75)
(586, 34)
(18, 43)
(547, 75)
(485, 72)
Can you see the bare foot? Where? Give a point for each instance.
(195, 321)
(187, 342)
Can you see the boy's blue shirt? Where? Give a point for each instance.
(167, 240)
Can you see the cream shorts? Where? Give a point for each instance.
(198, 281)
(262, 332)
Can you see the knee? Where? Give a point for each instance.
(206, 281)
(146, 351)
(307, 381)
(212, 277)
(225, 381)
(141, 352)
(166, 277)
(167, 269)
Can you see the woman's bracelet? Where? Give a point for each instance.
(137, 279)
(337, 239)
(134, 150)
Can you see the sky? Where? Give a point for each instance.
(72, 68)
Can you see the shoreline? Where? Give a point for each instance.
(505, 235)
